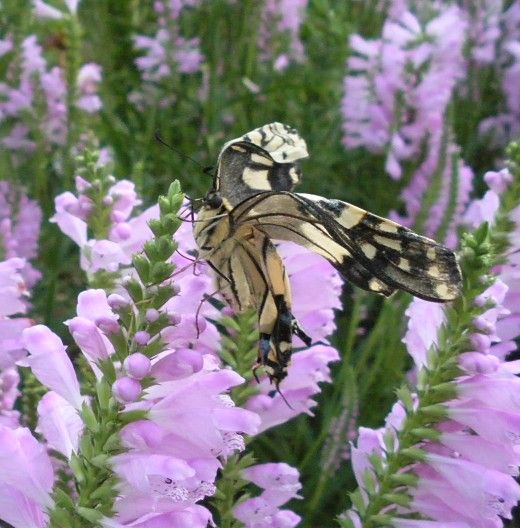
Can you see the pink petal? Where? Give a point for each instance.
(50, 363)
(60, 423)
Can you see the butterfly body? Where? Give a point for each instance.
(252, 203)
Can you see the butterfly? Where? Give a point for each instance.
(252, 203)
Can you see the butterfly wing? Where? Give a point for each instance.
(372, 252)
(250, 274)
(261, 160)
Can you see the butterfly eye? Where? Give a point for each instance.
(213, 200)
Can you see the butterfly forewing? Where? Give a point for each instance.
(374, 253)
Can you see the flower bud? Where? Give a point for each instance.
(152, 315)
(126, 389)
(116, 301)
(137, 365)
(480, 342)
(122, 230)
(142, 338)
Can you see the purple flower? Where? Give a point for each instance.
(397, 92)
(20, 220)
(12, 287)
(173, 457)
(307, 369)
(281, 19)
(9, 379)
(12, 293)
(43, 10)
(50, 363)
(424, 320)
(89, 77)
(165, 52)
(280, 483)
(59, 423)
(26, 479)
(126, 389)
(72, 216)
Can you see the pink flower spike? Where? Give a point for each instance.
(50, 363)
(59, 423)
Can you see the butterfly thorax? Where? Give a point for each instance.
(212, 227)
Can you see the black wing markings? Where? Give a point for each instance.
(374, 253)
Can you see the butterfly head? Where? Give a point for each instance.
(213, 200)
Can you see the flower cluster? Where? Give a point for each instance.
(396, 98)
(12, 292)
(166, 52)
(156, 390)
(280, 484)
(185, 364)
(281, 18)
(505, 126)
(20, 219)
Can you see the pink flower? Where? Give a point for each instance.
(51, 365)
(424, 320)
(59, 423)
(281, 21)
(26, 466)
(20, 220)
(12, 287)
(89, 77)
(172, 459)
(307, 369)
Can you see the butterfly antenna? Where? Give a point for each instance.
(180, 153)
(277, 386)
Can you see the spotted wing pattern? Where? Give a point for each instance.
(261, 160)
(373, 253)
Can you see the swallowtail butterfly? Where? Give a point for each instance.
(252, 203)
